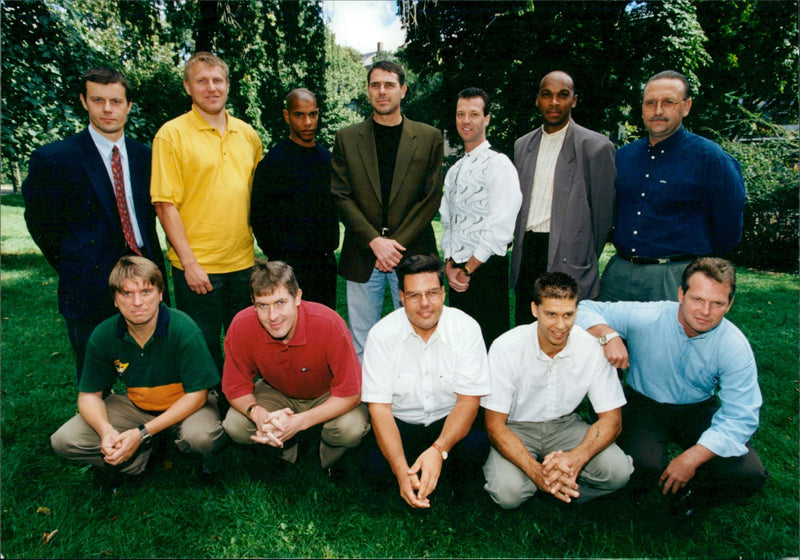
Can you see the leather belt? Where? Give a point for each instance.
(661, 260)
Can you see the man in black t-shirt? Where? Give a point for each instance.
(292, 211)
(387, 183)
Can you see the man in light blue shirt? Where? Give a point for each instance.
(680, 355)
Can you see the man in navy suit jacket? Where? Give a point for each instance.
(73, 214)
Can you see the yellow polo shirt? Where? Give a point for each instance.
(208, 178)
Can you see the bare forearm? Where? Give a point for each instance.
(181, 409)
(93, 410)
(600, 435)
(459, 421)
(388, 437)
(176, 232)
(510, 445)
(330, 409)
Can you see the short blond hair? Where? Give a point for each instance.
(130, 267)
(206, 58)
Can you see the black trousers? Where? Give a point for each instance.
(532, 265)
(463, 463)
(649, 427)
(486, 299)
(315, 273)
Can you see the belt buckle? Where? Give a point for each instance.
(663, 261)
(384, 232)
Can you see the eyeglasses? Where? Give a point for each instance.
(433, 296)
(667, 104)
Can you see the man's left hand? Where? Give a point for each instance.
(429, 466)
(677, 474)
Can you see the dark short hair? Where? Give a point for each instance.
(105, 75)
(670, 75)
(719, 270)
(298, 93)
(206, 58)
(554, 285)
(388, 66)
(418, 264)
(469, 92)
(133, 266)
(268, 276)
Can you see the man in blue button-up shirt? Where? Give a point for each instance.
(679, 196)
(680, 355)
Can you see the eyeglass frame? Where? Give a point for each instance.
(668, 105)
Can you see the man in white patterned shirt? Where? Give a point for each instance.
(540, 373)
(567, 174)
(481, 200)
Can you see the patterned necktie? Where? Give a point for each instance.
(122, 205)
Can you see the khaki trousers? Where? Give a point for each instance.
(338, 434)
(200, 432)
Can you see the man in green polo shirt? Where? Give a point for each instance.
(161, 356)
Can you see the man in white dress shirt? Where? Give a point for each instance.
(540, 374)
(424, 372)
(480, 203)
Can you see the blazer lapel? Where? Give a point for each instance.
(405, 153)
(98, 176)
(369, 156)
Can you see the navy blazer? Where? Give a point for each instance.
(72, 215)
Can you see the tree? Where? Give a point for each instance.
(345, 89)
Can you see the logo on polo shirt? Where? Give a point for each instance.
(120, 367)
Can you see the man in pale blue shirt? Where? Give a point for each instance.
(681, 354)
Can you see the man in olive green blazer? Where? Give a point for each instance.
(387, 183)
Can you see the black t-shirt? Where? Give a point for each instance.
(387, 139)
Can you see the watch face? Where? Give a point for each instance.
(444, 455)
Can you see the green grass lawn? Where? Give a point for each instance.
(258, 509)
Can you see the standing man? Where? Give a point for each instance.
(424, 373)
(692, 381)
(161, 357)
(203, 164)
(292, 212)
(679, 196)
(306, 372)
(567, 174)
(387, 183)
(540, 375)
(481, 200)
(87, 203)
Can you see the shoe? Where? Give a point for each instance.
(683, 504)
(336, 474)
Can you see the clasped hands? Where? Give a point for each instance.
(560, 472)
(119, 447)
(388, 253)
(276, 428)
(456, 277)
(420, 480)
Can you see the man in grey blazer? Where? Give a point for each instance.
(566, 173)
(386, 180)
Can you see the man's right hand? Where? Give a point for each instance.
(197, 279)
(388, 253)
(616, 353)
(409, 486)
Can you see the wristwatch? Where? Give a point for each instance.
(604, 339)
(147, 439)
(440, 450)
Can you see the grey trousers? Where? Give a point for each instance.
(625, 281)
(338, 434)
(200, 432)
(509, 486)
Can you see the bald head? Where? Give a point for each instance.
(559, 76)
(297, 95)
(555, 100)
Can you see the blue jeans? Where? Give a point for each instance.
(365, 304)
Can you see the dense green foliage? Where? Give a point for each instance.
(270, 46)
(734, 53)
(259, 509)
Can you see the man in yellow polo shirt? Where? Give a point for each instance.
(203, 165)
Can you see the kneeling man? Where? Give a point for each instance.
(540, 374)
(305, 368)
(424, 373)
(692, 381)
(162, 358)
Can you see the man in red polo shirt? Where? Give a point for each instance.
(305, 368)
